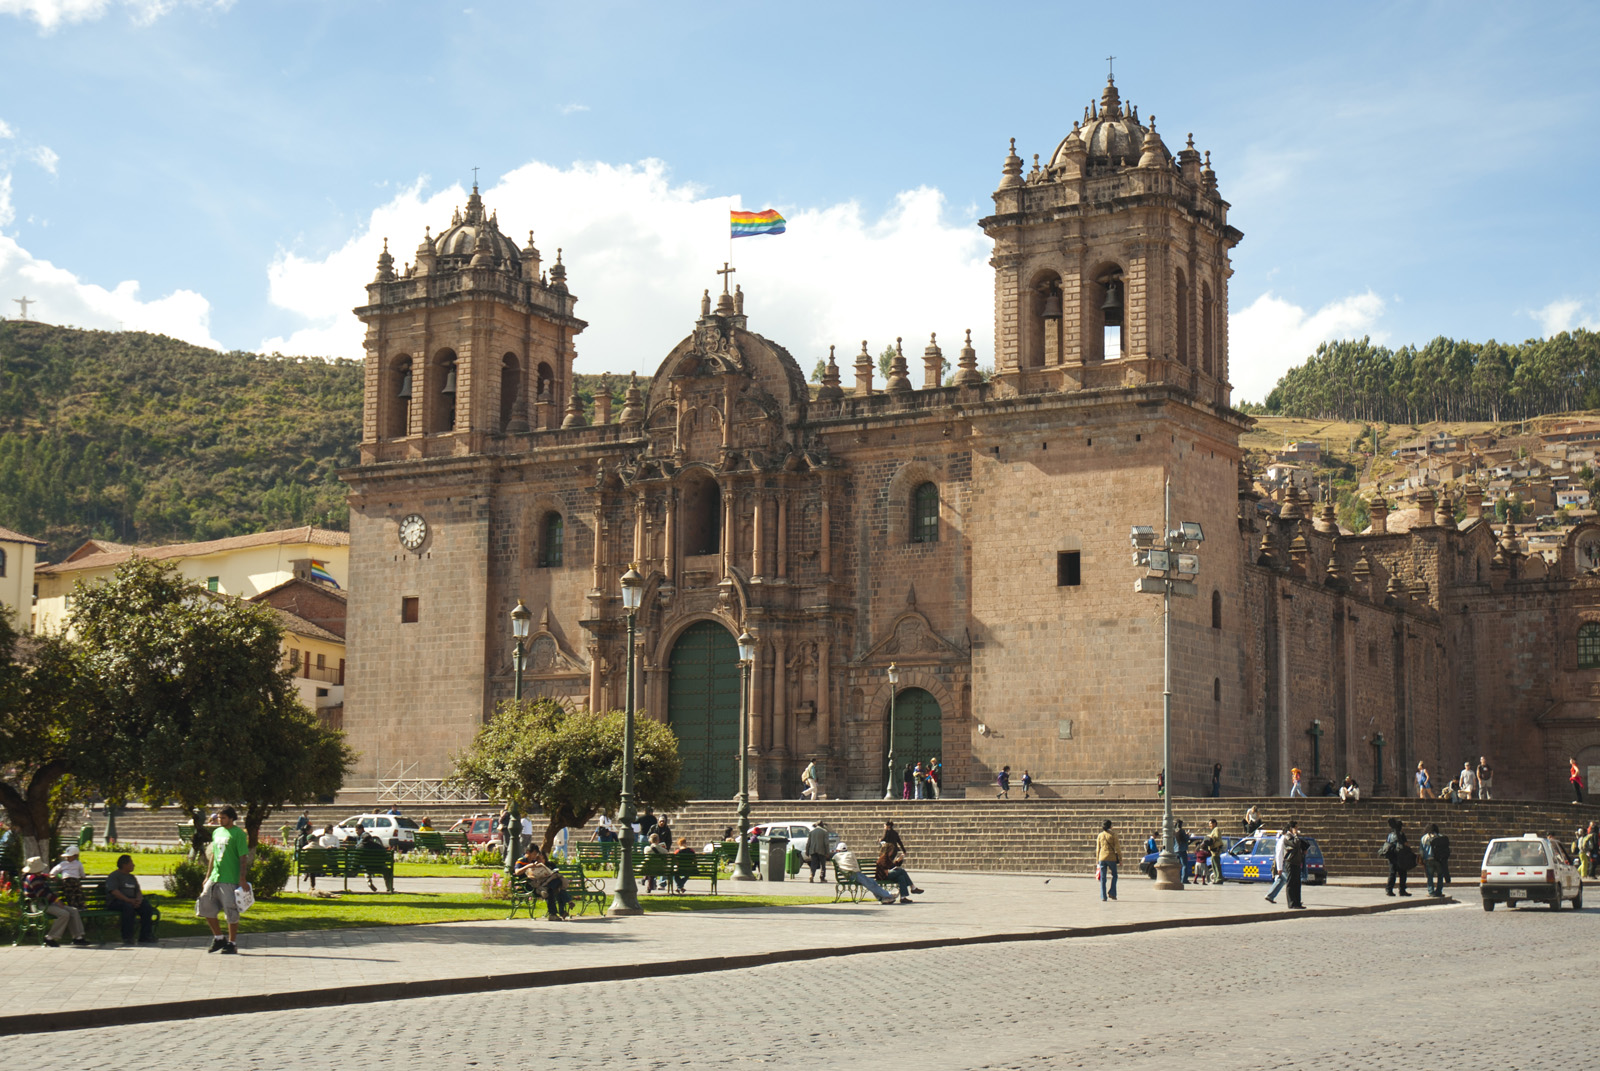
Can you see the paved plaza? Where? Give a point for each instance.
(1441, 987)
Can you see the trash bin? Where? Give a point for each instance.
(86, 837)
(774, 853)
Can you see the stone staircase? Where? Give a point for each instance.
(1049, 836)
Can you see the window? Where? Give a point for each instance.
(925, 514)
(1216, 689)
(1216, 608)
(213, 583)
(700, 516)
(1588, 646)
(408, 610)
(294, 660)
(1069, 570)
(2, 561)
(322, 661)
(554, 533)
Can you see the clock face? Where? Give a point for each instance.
(413, 530)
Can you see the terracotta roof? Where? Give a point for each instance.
(301, 627)
(320, 537)
(8, 536)
(97, 546)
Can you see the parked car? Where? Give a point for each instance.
(797, 831)
(1529, 867)
(482, 830)
(1250, 859)
(396, 831)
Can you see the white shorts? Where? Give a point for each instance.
(217, 898)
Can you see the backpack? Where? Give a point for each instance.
(1405, 858)
(1441, 848)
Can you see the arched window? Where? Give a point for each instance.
(553, 535)
(1588, 646)
(700, 519)
(925, 513)
(400, 401)
(1105, 337)
(1216, 608)
(1182, 310)
(444, 387)
(510, 389)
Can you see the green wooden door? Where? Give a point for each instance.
(918, 729)
(703, 710)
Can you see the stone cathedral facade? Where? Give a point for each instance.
(971, 532)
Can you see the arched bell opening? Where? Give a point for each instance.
(442, 385)
(1044, 322)
(399, 418)
(511, 412)
(1106, 338)
(700, 515)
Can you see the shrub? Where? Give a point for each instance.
(494, 886)
(487, 857)
(269, 871)
(186, 879)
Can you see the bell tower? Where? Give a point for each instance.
(1111, 262)
(469, 344)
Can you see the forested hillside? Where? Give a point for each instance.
(1444, 380)
(141, 438)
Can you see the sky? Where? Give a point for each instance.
(226, 172)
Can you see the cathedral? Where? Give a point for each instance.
(930, 565)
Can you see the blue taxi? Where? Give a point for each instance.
(1250, 859)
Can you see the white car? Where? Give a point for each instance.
(1529, 867)
(394, 830)
(796, 830)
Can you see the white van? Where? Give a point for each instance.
(1529, 867)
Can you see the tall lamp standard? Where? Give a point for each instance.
(894, 692)
(1170, 561)
(511, 834)
(626, 900)
(747, 655)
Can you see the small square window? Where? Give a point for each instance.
(408, 610)
(213, 583)
(1068, 569)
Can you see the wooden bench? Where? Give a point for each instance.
(668, 868)
(455, 840)
(584, 891)
(846, 886)
(600, 854)
(345, 863)
(97, 910)
(429, 840)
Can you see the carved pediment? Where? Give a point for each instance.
(912, 637)
(547, 657)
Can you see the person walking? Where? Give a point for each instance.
(1215, 843)
(1400, 856)
(1107, 854)
(1003, 779)
(230, 872)
(1467, 779)
(1577, 780)
(810, 778)
(1297, 786)
(1027, 784)
(1485, 778)
(1424, 783)
(935, 772)
(1294, 859)
(1181, 839)
(1430, 862)
(907, 776)
(817, 851)
(1280, 877)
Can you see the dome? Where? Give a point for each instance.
(1107, 134)
(456, 244)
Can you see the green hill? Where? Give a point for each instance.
(142, 438)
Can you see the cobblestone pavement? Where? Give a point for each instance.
(1448, 987)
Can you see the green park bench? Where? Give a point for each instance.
(344, 863)
(429, 840)
(584, 890)
(97, 910)
(688, 865)
(455, 840)
(845, 886)
(185, 833)
(600, 854)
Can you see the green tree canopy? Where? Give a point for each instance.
(541, 753)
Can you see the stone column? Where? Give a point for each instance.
(730, 542)
(669, 564)
(780, 697)
(783, 534)
(826, 554)
(824, 698)
(758, 543)
(639, 506)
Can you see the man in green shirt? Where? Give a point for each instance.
(230, 871)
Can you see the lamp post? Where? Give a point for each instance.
(894, 692)
(747, 654)
(1377, 763)
(1169, 562)
(1315, 732)
(511, 835)
(626, 900)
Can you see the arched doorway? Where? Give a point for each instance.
(703, 709)
(918, 728)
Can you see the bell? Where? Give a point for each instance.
(405, 385)
(1052, 305)
(449, 381)
(1111, 307)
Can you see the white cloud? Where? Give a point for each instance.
(59, 297)
(568, 109)
(1564, 314)
(50, 14)
(45, 157)
(1270, 335)
(638, 249)
(5, 129)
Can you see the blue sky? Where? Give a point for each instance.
(226, 172)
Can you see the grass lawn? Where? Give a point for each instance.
(100, 863)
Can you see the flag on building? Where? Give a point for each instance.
(747, 224)
(319, 571)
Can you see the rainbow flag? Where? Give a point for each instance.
(747, 224)
(319, 571)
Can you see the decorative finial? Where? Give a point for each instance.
(1152, 118)
(1191, 140)
(899, 379)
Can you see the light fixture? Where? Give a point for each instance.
(1160, 560)
(520, 616)
(1192, 532)
(632, 589)
(1188, 564)
(983, 730)
(894, 673)
(1141, 535)
(747, 646)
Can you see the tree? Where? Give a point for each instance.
(886, 361)
(819, 371)
(300, 760)
(568, 763)
(48, 736)
(195, 690)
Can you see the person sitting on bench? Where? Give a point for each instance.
(545, 883)
(891, 868)
(850, 868)
(683, 849)
(124, 894)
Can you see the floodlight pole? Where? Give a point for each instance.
(1169, 868)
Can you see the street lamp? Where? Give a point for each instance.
(626, 901)
(747, 655)
(510, 835)
(1167, 560)
(894, 681)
